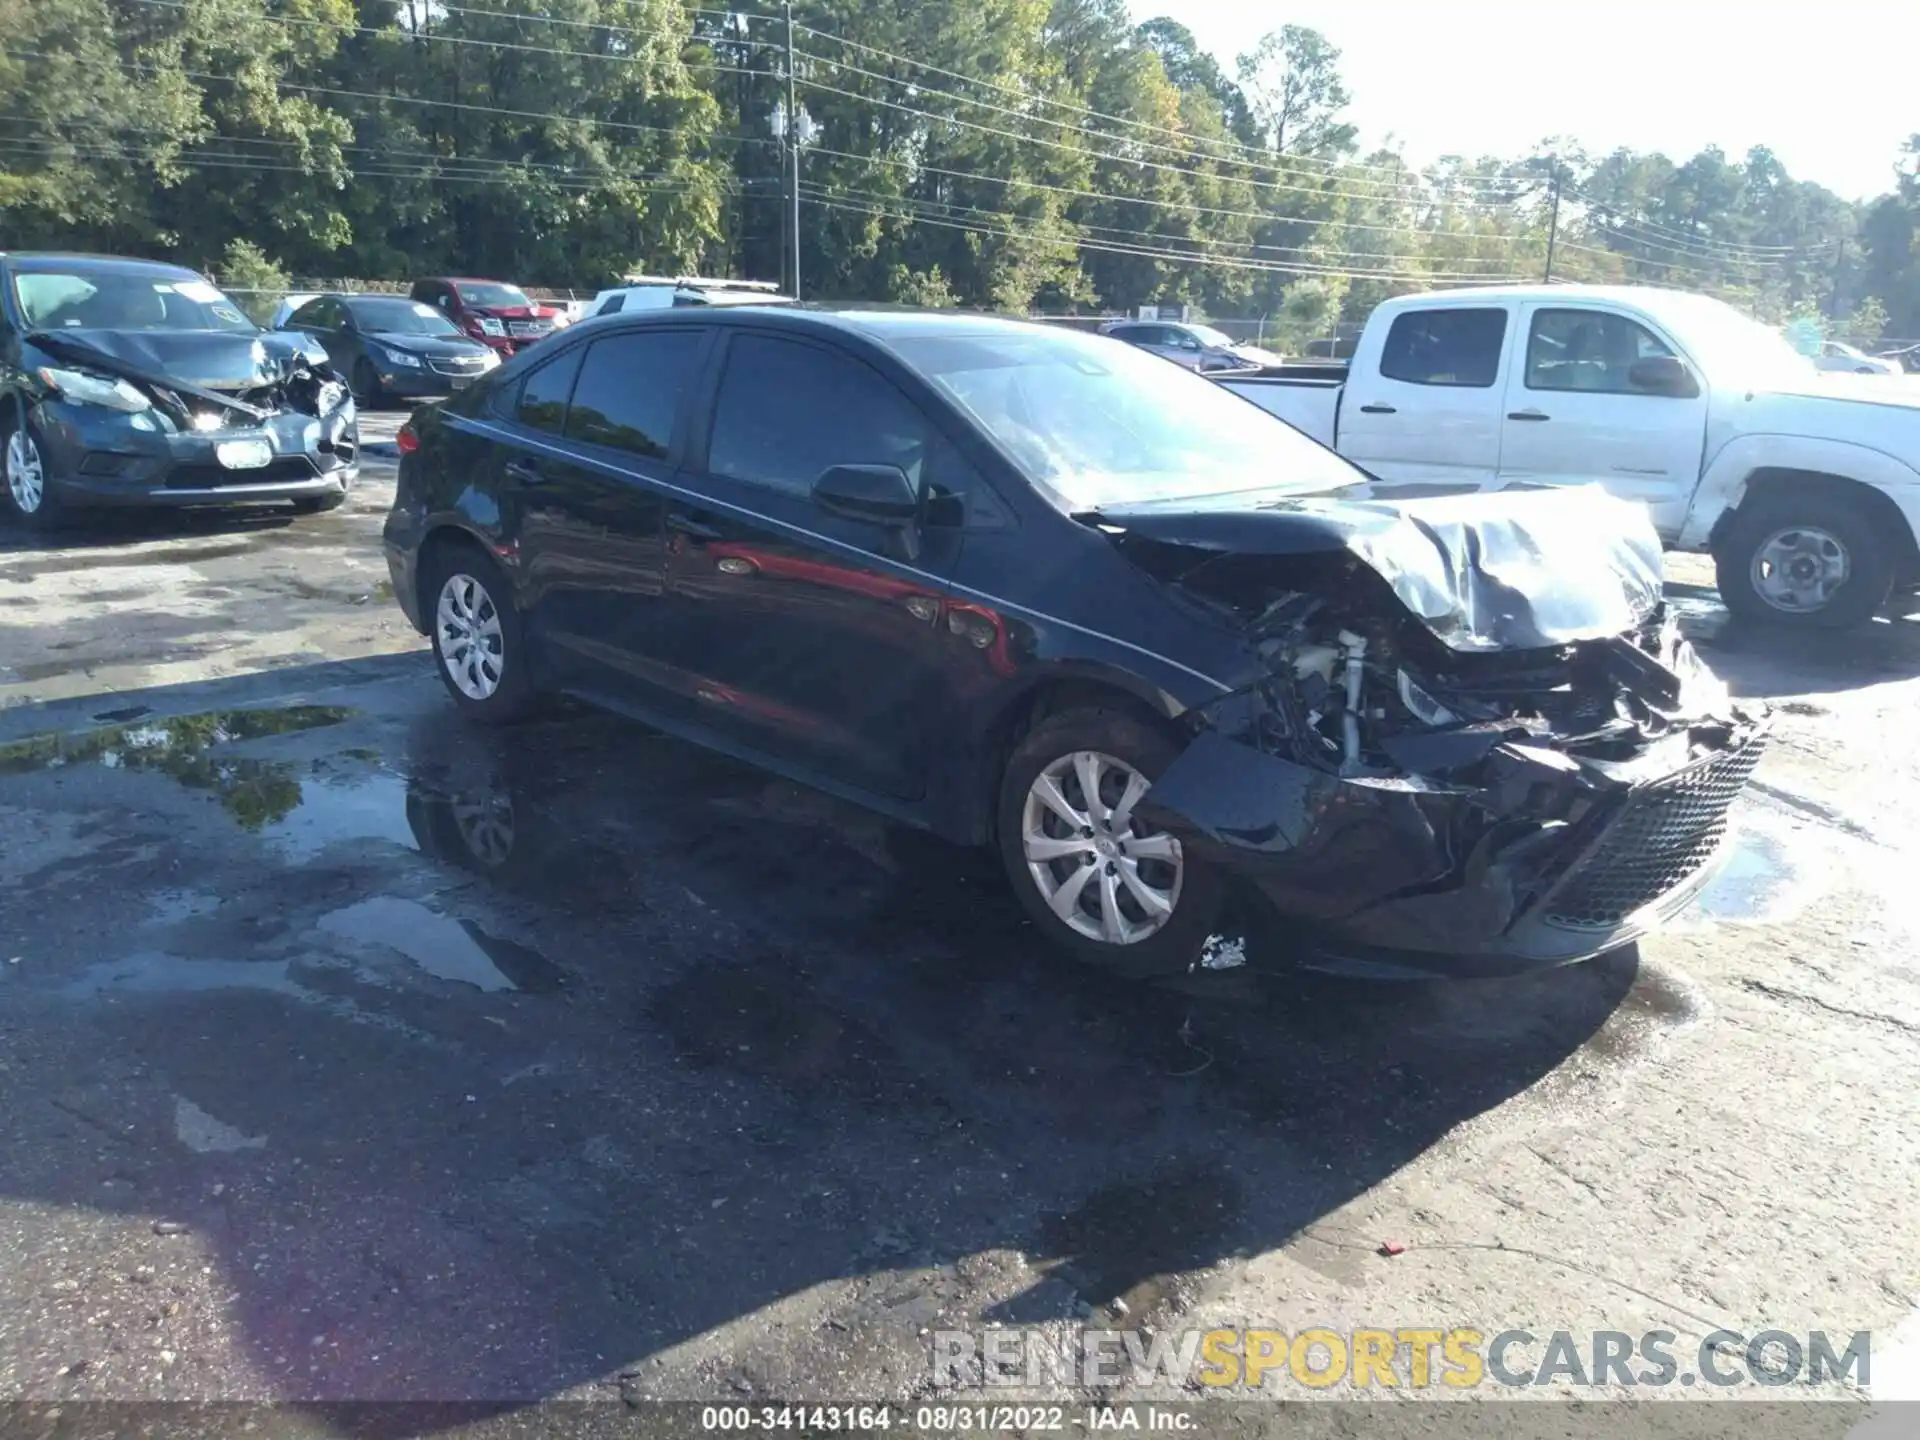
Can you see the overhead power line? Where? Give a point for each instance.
(1152, 253)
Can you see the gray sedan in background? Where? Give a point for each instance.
(1194, 347)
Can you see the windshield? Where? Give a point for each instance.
(1207, 335)
(1099, 422)
(491, 295)
(102, 299)
(400, 317)
(1734, 350)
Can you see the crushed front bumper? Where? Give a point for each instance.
(1405, 875)
(96, 456)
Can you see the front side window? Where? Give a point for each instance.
(630, 389)
(1445, 347)
(1096, 423)
(542, 402)
(787, 412)
(1588, 350)
(611, 305)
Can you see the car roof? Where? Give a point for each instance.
(32, 260)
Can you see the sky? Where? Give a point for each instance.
(1829, 88)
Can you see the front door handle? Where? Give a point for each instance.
(691, 527)
(1528, 415)
(527, 472)
(1378, 410)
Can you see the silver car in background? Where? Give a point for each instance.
(1194, 347)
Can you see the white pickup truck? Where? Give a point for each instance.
(1804, 486)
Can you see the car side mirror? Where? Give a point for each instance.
(879, 493)
(1663, 375)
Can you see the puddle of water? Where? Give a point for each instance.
(154, 972)
(367, 807)
(1132, 1242)
(1765, 877)
(170, 907)
(446, 948)
(256, 793)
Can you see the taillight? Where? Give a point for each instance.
(406, 442)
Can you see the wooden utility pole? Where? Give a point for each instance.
(793, 155)
(1553, 222)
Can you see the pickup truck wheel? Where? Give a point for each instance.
(1816, 564)
(1097, 880)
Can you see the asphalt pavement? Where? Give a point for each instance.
(350, 1053)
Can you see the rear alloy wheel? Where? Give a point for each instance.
(1814, 564)
(477, 637)
(1094, 875)
(28, 496)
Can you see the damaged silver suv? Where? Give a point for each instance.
(1042, 590)
(124, 382)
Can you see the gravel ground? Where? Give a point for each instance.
(346, 1053)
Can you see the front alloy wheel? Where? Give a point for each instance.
(471, 639)
(26, 474)
(1097, 868)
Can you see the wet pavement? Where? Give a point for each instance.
(348, 1052)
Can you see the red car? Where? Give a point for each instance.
(494, 313)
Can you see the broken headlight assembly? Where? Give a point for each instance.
(80, 388)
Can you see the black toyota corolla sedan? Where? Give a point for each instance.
(1039, 590)
(125, 382)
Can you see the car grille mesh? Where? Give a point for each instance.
(456, 365)
(1663, 834)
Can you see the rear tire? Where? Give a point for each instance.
(479, 642)
(1818, 563)
(1094, 877)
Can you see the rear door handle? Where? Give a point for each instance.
(689, 526)
(1528, 415)
(1378, 410)
(527, 472)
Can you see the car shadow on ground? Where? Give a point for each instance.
(742, 1044)
(1769, 660)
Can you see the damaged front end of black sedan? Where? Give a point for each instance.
(1477, 743)
(168, 418)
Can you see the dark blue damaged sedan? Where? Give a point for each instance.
(1038, 590)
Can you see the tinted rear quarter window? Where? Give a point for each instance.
(1445, 347)
(788, 411)
(630, 388)
(540, 400)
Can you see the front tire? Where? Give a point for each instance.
(364, 382)
(26, 492)
(1817, 563)
(314, 504)
(1097, 880)
(479, 641)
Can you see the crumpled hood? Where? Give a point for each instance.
(436, 345)
(213, 359)
(1513, 570)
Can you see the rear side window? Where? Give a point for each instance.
(541, 401)
(630, 388)
(1445, 347)
(788, 411)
